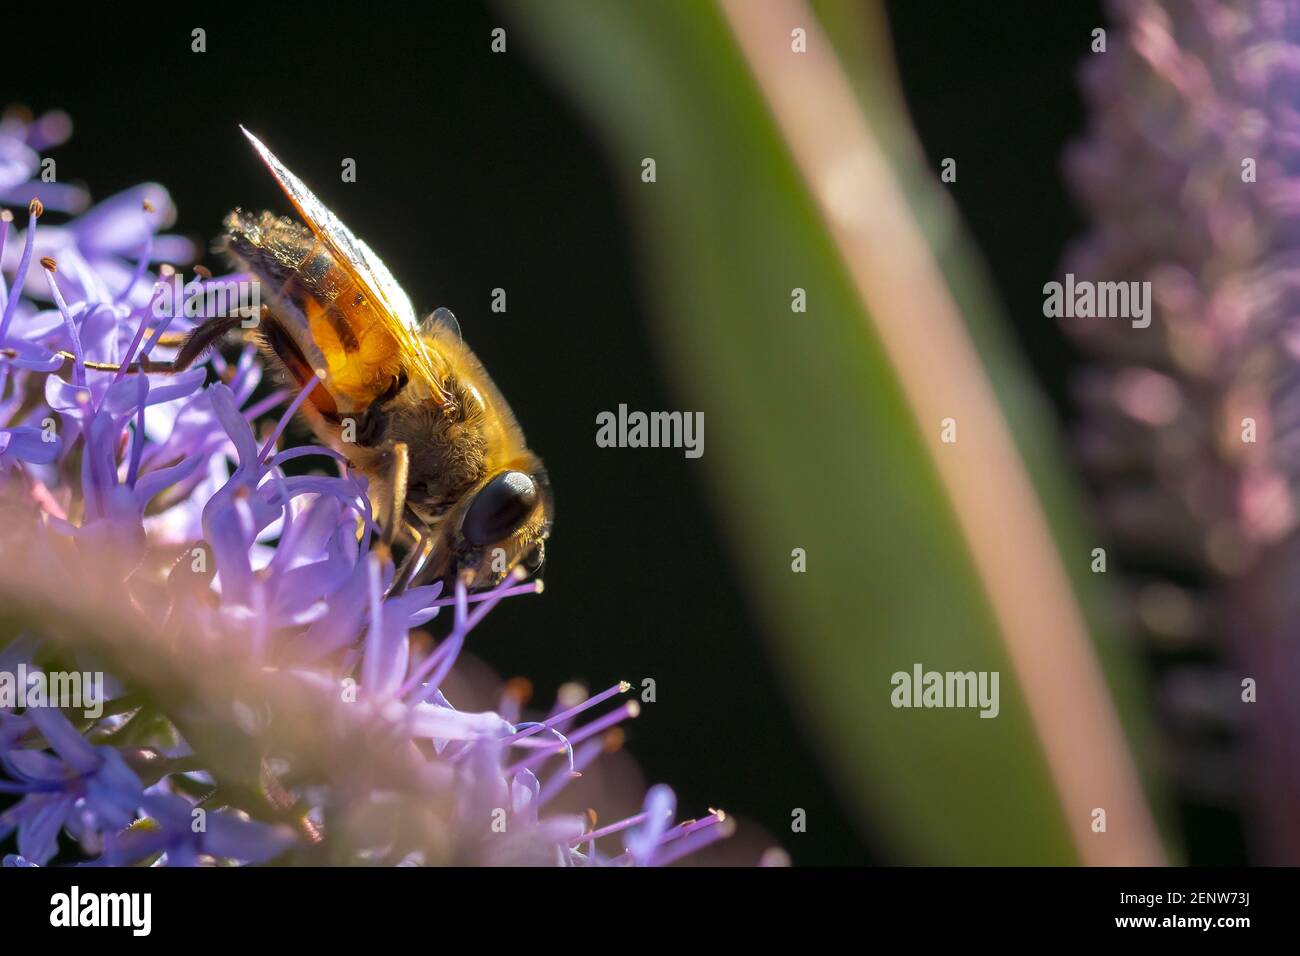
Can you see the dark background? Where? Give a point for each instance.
(472, 173)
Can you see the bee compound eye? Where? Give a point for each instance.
(499, 508)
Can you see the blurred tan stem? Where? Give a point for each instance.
(921, 329)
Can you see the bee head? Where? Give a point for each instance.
(504, 526)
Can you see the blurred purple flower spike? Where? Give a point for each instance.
(1191, 427)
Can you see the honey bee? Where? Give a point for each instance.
(406, 402)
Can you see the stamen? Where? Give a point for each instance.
(137, 448)
(622, 687)
(139, 333)
(685, 839)
(583, 757)
(305, 451)
(446, 653)
(715, 829)
(518, 691)
(371, 664)
(6, 217)
(244, 365)
(141, 264)
(594, 835)
(528, 588)
(687, 827)
(495, 597)
(165, 273)
(258, 409)
(283, 423)
(600, 725)
(566, 747)
(79, 368)
(34, 211)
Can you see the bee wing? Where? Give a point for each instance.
(354, 256)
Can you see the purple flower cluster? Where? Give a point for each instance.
(268, 698)
(1190, 175)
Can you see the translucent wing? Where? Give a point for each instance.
(365, 268)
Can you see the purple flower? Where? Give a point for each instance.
(27, 443)
(265, 665)
(83, 789)
(182, 836)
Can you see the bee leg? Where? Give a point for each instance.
(373, 422)
(396, 492)
(203, 338)
(371, 425)
(429, 571)
(420, 548)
